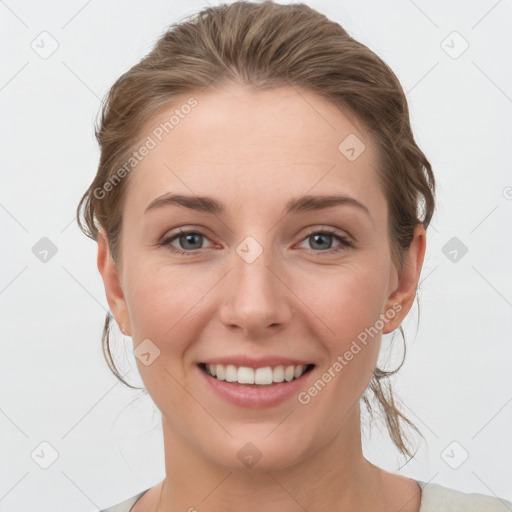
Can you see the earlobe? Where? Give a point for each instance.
(111, 280)
(408, 277)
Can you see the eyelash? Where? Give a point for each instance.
(345, 243)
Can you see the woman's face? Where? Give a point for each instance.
(257, 286)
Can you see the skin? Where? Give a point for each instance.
(253, 151)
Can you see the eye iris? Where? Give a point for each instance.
(316, 236)
(187, 237)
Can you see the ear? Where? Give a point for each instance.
(111, 280)
(406, 281)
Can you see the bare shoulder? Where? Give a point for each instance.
(401, 493)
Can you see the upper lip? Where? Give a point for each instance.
(261, 362)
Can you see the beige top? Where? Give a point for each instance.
(434, 498)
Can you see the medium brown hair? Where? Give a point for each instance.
(263, 46)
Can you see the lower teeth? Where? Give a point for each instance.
(246, 384)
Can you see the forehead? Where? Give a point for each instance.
(255, 144)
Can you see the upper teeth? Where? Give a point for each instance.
(262, 376)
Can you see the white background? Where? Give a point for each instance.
(457, 380)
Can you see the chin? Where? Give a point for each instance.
(258, 453)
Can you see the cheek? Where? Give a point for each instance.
(351, 307)
(163, 304)
(352, 303)
(349, 300)
(162, 301)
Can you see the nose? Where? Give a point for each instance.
(255, 298)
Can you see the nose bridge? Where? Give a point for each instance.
(254, 297)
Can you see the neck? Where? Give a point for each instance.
(335, 477)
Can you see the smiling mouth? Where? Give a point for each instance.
(264, 376)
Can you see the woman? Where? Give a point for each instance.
(262, 132)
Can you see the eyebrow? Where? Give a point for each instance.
(295, 205)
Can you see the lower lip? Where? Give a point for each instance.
(255, 396)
